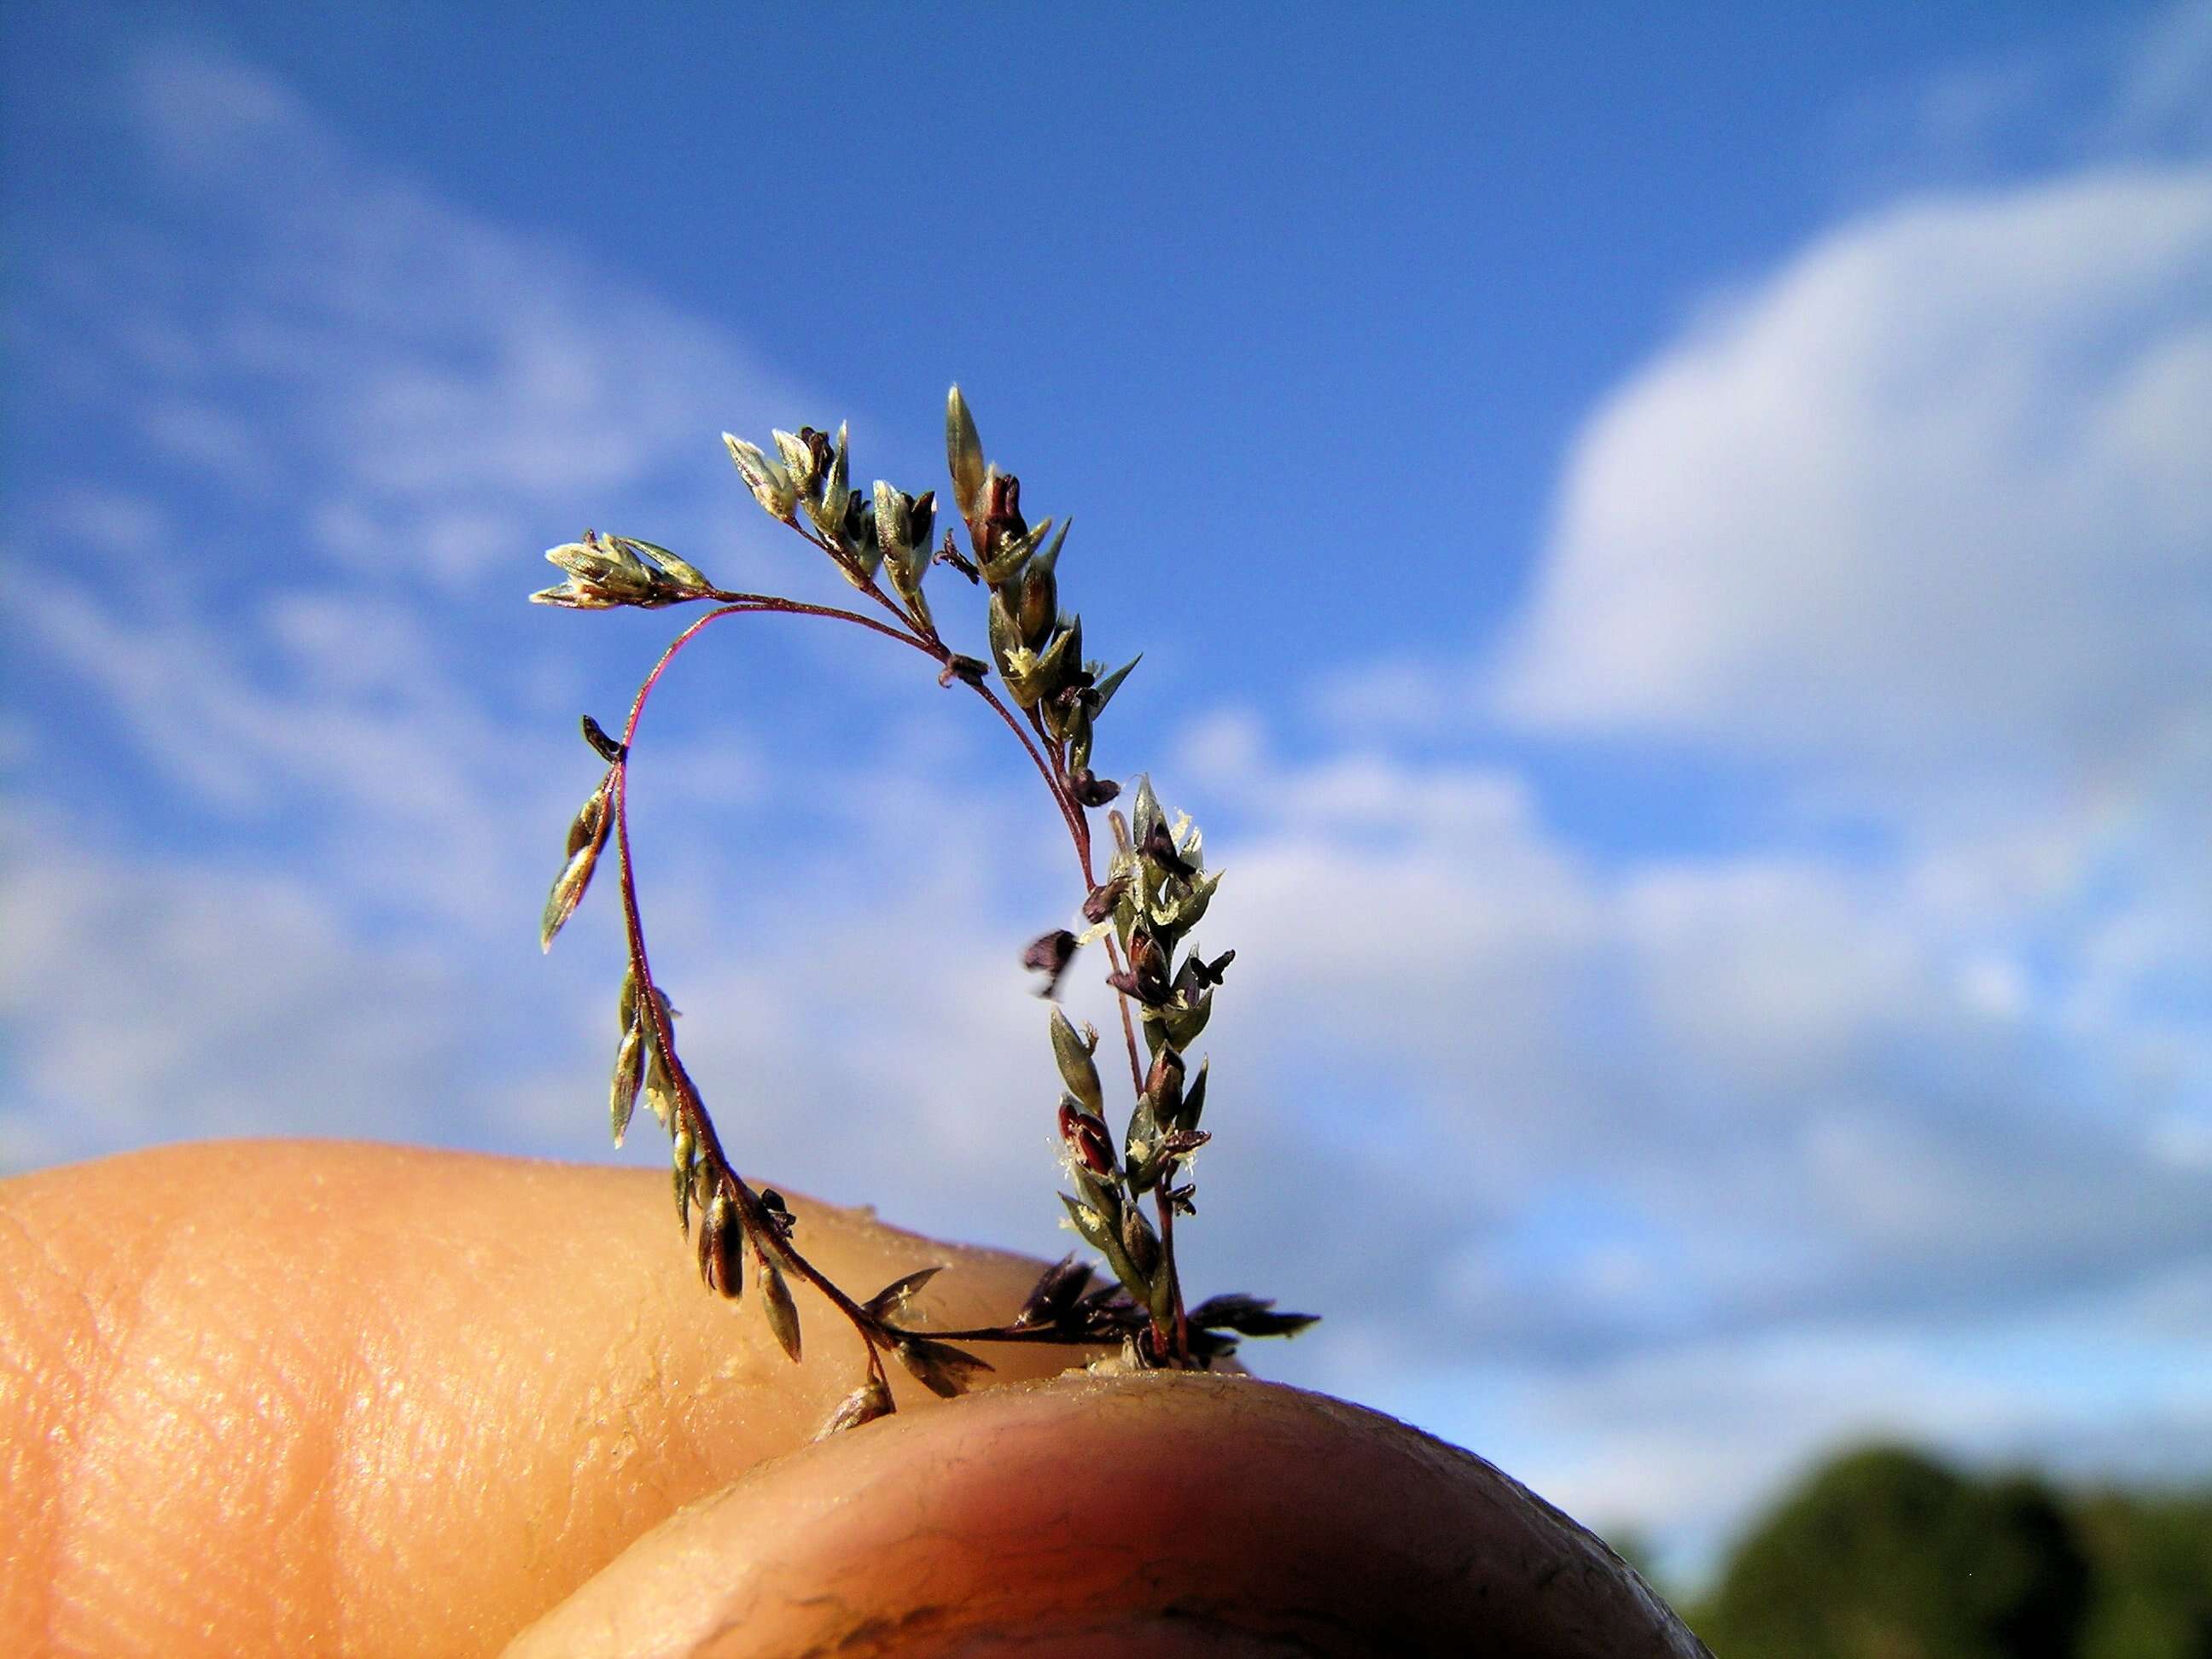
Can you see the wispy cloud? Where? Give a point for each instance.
(1933, 491)
(1913, 525)
(430, 381)
(2163, 95)
(298, 749)
(159, 1000)
(2125, 90)
(1677, 1163)
(1780, 1085)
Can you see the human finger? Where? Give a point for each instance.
(1159, 1513)
(282, 1396)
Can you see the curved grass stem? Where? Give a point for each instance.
(759, 1224)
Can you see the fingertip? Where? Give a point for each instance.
(305, 1394)
(1149, 1513)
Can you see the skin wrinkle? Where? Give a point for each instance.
(363, 1544)
(351, 1479)
(350, 1557)
(404, 1461)
(139, 1432)
(373, 1399)
(503, 1373)
(873, 1634)
(283, 1404)
(83, 1607)
(44, 1399)
(192, 1390)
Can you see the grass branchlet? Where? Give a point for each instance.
(1036, 681)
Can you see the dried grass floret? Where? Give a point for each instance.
(1154, 890)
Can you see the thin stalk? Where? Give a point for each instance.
(756, 1222)
(1128, 1025)
(997, 1334)
(1165, 1207)
(758, 1225)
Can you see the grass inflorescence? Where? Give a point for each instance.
(1152, 891)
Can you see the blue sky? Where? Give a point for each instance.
(1672, 558)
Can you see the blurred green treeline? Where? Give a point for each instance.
(1887, 1553)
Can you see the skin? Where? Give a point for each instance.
(292, 1397)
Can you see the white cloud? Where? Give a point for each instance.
(2115, 90)
(1756, 1085)
(1643, 1125)
(1769, 972)
(301, 753)
(398, 785)
(415, 386)
(296, 598)
(1690, 1440)
(112, 524)
(1921, 519)
(1933, 492)
(164, 999)
(1684, 1439)
(2163, 91)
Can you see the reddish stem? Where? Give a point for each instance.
(1165, 1207)
(922, 638)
